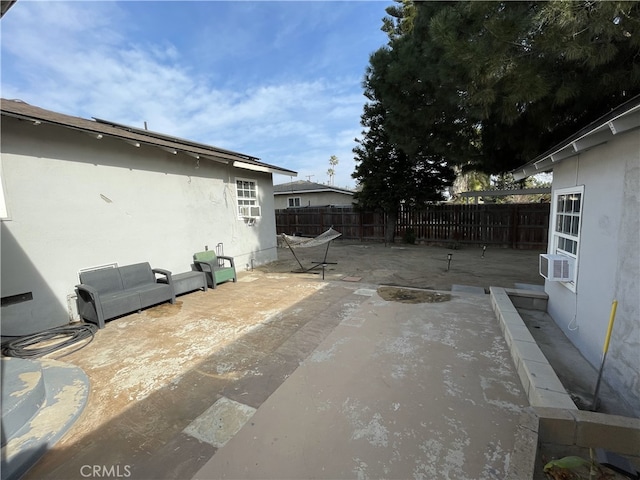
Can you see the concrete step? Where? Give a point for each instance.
(44, 398)
(23, 393)
(529, 286)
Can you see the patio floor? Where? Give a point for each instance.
(285, 375)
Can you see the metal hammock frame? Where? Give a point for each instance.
(305, 242)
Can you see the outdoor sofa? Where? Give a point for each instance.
(111, 292)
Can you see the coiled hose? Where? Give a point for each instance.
(54, 339)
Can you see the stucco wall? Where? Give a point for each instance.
(76, 202)
(608, 264)
(319, 199)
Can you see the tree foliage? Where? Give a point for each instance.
(486, 86)
(388, 177)
(333, 161)
(490, 85)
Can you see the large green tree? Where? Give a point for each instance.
(491, 84)
(486, 86)
(388, 177)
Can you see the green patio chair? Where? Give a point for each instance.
(217, 269)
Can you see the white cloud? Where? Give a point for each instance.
(80, 58)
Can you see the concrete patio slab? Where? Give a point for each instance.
(413, 391)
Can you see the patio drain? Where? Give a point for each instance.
(405, 295)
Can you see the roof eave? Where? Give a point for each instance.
(595, 134)
(264, 168)
(137, 137)
(324, 190)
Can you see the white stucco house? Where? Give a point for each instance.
(595, 232)
(78, 194)
(304, 193)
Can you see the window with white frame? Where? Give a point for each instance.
(294, 201)
(567, 220)
(247, 195)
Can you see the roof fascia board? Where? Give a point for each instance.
(623, 124)
(597, 138)
(600, 133)
(132, 142)
(172, 139)
(198, 156)
(565, 152)
(324, 190)
(263, 168)
(137, 140)
(135, 136)
(504, 193)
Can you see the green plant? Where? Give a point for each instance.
(574, 467)
(410, 236)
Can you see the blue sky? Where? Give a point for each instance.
(281, 81)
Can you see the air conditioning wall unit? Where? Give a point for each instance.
(250, 211)
(556, 267)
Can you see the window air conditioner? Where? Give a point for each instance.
(255, 211)
(556, 268)
(250, 211)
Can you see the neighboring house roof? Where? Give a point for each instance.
(136, 136)
(622, 119)
(305, 186)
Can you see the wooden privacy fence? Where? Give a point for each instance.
(511, 225)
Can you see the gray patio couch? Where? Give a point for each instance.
(111, 292)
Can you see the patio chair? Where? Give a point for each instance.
(217, 268)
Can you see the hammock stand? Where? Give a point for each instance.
(301, 242)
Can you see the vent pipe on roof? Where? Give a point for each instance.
(145, 125)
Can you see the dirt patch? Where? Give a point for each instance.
(405, 295)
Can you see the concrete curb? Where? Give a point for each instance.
(541, 384)
(554, 417)
(589, 429)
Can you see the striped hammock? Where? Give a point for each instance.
(304, 242)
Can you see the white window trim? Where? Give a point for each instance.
(553, 248)
(299, 199)
(256, 202)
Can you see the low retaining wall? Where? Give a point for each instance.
(540, 382)
(554, 417)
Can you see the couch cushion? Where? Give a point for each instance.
(104, 280)
(116, 304)
(136, 275)
(208, 256)
(155, 293)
